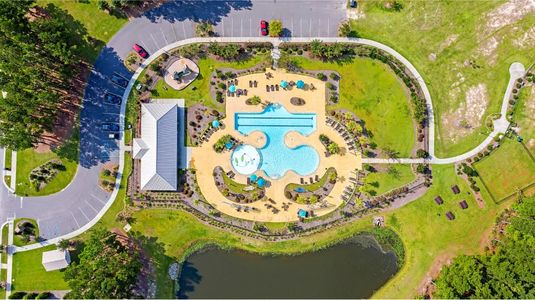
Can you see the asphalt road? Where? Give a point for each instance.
(80, 202)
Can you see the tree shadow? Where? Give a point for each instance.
(196, 10)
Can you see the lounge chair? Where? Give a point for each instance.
(267, 88)
(277, 87)
(311, 180)
(317, 178)
(250, 83)
(245, 92)
(255, 83)
(302, 180)
(272, 88)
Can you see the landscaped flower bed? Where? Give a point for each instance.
(237, 192)
(313, 192)
(42, 175)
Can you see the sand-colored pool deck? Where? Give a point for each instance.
(204, 159)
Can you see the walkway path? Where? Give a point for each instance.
(10, 251)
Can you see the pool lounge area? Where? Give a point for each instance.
(276, 158)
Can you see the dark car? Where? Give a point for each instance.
(353, 3)
(112, 99)
(264, 27)
(119, 80)
(140, 51)
(110, 127)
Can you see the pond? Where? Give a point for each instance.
(353, 269)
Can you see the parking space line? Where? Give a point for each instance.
(222, 26)
(232, 27)
(241, 27)
(166, 42)
(174, 32)
(98, 199)
(301, 26)
(77, 224)
(328, 26)
(89, 204)
(86, 217)
(250, 26)
(310, 28)
(292, 26)
(319, 27)
(184, 30)
(145, 46)
(153, 40)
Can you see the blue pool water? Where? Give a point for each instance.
(275, 122)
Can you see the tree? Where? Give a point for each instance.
(275, 28)
(107, 269)
(392, 171)
(103, 4)
(421, 168)
(391, 153)
(345, 30)
(421, 153)
(204, 29)
(333, 148)
(63, 244)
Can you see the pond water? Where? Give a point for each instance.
(353, 269)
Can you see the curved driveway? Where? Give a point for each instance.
(78, 205)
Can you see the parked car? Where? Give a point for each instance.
(112, 99)
(264, 27)
(353, 3)
(110, 127)
(119, 80)
(140, 51)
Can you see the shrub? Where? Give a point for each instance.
(44, 295)
(222, 86)
(204, 29)
(275, 28)
(333, 76)
(255, 100)
(300, 51)
(219, 96)
(107, 172)
(17, 295)
(421, 168)
(321, 76)
(421, 153)
(31, 296)
(103, 5)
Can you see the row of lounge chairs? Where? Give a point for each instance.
(238, 93)
(253, 83)
(310, 180)
(232, 82)
(272, 88)
(349, 138)
(207, 134)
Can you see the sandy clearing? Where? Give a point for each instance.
(527, 40)
(508, 13)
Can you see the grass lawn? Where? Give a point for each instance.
(99, 24)
(524, 116)
(28, 159)
(7, 162)
(454, 31)
(30, 275)
(17, 239)
(373, 92)
(314, 186)
(389, 180)
(199, 90)
(507, 169)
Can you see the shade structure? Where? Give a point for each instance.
(253, 177)
(300, 84)
(261, 182)
(215, 123)
(284, 84)
(232, 88)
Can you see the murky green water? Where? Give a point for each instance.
(354, 269)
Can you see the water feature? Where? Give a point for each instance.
(353, 269)
(275, 122)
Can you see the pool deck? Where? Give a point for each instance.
(204, 159)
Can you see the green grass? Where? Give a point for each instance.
(233, 186)
(98, 23)
(28, 159)
(17, 239)
(30, 275)
(276, 226)
(388, 181)
(7, 164)
(423, 26)
(131, 115)
(199, 90)
(524, 115)
(314, 186)
(507, 169)
(3, 277)
(373, 92)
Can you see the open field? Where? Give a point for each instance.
(463, 50)
(30, 275)
(506, 170)
(389, 180)
(199, 90)
(371, 90)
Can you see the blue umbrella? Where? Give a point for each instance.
(229, 145)
(284, 84)
(261, 182)
(253, 177)
(300, 189)
(302, 213)
(300, 84)
(232, 88)
(215, 124)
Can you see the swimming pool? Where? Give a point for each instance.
(275, 122)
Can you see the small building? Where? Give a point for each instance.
(56, 260)
(450, 216)
(455, 189)
(463, 204)
(157, 147)
(439, 200)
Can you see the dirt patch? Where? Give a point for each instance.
(508, 13)
(488, 48)
(527, 40)
(468, 116)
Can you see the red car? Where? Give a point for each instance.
(140, 51)
(264, 27)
